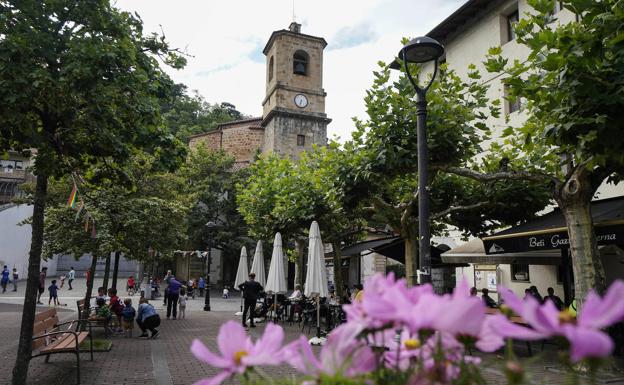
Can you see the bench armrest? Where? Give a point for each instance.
(55, 333)
(76, 321)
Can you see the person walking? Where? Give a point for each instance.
(42, 277)
(251, 290)
(201, 284)
(147, 319)
(70, 277)
(5, 278)
(174, 294)
(15, 278)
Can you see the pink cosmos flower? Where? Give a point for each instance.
(343, 354)
(238, 352)
(584, 334)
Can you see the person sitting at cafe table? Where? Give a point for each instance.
(487, 300)
(554, 299)
(295, 299)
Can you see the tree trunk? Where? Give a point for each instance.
(116, 269)
(299, 248)
(411, 255)
(337, 269)
(574, 200)
(87, 297)
(107, 264)
(24, 348)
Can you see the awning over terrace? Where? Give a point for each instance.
(394, 247)
(549, 231)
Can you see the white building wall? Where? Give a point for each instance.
(471, 46)
(15, 240)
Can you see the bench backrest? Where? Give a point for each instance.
(45, 322)
(80, 304)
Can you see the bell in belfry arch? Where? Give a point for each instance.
(300, 68)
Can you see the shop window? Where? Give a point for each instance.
(301, 140)
(520, 272)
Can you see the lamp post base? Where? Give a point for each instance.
(206, 307)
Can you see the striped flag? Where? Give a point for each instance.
(71, 201)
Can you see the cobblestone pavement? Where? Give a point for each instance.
(168, 361)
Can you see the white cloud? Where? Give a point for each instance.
(226, 39)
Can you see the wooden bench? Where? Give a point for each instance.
(515, 319)
(80, 304)
(51, 337)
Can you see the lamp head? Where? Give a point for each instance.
(421, 50)
(211, 225)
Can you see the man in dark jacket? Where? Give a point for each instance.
(173, 294)
(251, 291)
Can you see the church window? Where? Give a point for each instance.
(300, 140)
(300, 63)
(271, 68)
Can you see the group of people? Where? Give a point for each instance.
(175, 297)
(8, 277)
(529, 292)
(109, 306)
(252, 291)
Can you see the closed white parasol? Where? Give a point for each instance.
(257, 266)
(316, 277)
(242, 273)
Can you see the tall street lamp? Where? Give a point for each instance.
(422, 50)
(210, 226)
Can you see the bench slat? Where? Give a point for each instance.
(45, 315)
(44, 326)
(65, 343)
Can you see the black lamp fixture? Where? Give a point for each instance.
(210, 226)
(422, 50)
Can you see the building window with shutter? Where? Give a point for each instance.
(301, 140)
(520, 272)
(512, 20)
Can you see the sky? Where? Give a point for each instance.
(225, 39)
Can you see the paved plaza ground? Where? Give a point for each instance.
(167, 359)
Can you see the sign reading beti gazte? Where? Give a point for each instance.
(606, 234)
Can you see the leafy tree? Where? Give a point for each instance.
(385, 147)
(210, 183)
(81, 85)
(571, 84)
(259, 201)
(286, 196)
(189, 114)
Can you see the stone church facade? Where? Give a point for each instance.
(294, 118)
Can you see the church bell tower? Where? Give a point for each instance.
(294, 116)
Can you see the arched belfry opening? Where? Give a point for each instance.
(300, 62)
(271, 65)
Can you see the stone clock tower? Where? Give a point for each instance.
(294, 116)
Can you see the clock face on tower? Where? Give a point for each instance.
(301, 100)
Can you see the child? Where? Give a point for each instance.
(62, 281)
(53, 289)
(115, 306)
(226, 293)
(128, 313)
(102, 312)
(183, 299)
